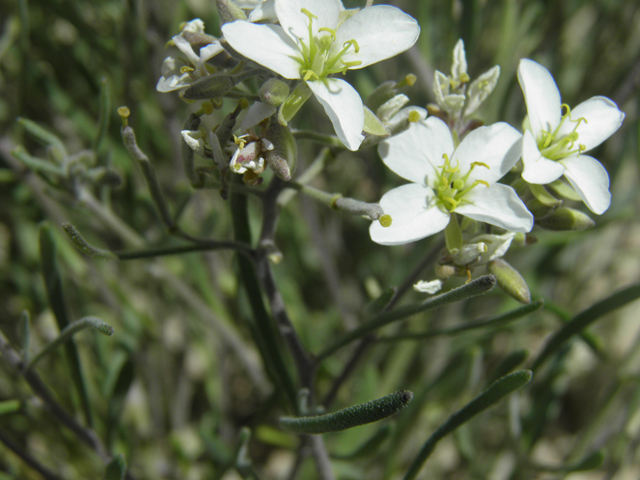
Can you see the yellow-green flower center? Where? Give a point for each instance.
(317, 62)
(451, 185)
(554, 146)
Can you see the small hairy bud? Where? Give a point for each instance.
(274, 92)
(228, 11)
(211, 86)
(510, 280)
(283, 157)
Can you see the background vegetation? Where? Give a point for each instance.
(172, 388)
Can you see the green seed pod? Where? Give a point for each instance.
(283, 157)
(274, 92)
(510, 280)
(228, 11)
(211, 86)
(566, 219)
(350, 417)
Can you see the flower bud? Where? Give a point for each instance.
(392, 106)
(283, 157)
(386, 91)
(510, 280)
(565, 219)
(211, 86)
(228, 11)
(538, 209)
(274, 92)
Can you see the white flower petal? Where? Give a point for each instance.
(538, 169)
(416, 153)
(413, 216)
(296, 24)
(185, 47)
(541, 95)
(381, 31)
(459, 64)
(402, 115)
(265, 11)
(209, 51)
(498, 205)
(274, 50)
(257, 112)
(344, 107)
(174, 82)
(498, 146)
(590, 180)
(194, 26)
(602, 120)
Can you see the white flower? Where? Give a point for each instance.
(249, 156)
(555, 142)
(181, 70)
(311, 44)
(449, 180)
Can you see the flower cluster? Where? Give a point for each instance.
(298, 49)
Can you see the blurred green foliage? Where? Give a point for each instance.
(168, 390)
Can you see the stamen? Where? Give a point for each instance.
(331, 32)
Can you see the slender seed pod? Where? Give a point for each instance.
(350, 417)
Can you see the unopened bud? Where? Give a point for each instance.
(510, 280)
(283, 157)
(383, 93)
(538, 209)
(228, 11)
(566, 219)
(392, 106)
(211, 86)
(274, 92)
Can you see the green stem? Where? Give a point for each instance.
(329, 140)
(264, 335)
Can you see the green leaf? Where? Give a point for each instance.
(488, 398)
(350, 417)
(81, 244)
(586, 318)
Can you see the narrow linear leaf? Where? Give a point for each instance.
(350, 417)
(463, 327)
(55, 296)
(489, 397)
(81, 244)
(69, 331)
(476, 287)
(585, 318)
(116, 468)
(35, 163)
(42, 134)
